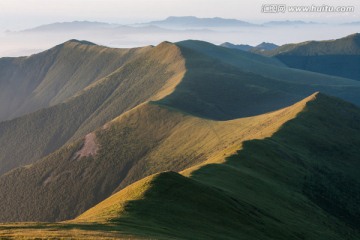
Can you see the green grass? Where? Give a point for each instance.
(297, 184)
(33, 136)
(146, 140)
(190, 91)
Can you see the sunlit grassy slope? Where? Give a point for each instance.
(143, 141)
(278, 187)
(281, 187)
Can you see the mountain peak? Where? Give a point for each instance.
(83, 42)
(355, 37)
(112, 207)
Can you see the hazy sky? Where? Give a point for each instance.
(19, 14)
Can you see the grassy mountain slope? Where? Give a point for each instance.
(51, 77)
(349, 45)
(146, 77)
(339, 57)
(265, 66)
(225, 84)
(194, 77)
(141, 142)
(192, 85)
(280, 187)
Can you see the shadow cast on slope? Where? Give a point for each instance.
(221, 89)
(214, 90)
(306, 174)
(270, 189)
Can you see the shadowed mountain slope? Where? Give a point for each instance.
(252, 165)
(339, 57)
(146, 77)
(51, 77)
(281, 187)
(197, 92)
(225, 84)
(265, 66)
(194, 77)
(146, 140)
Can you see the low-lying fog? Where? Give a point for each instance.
(24, 43)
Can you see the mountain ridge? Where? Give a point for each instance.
(183, 134)
(124, 207)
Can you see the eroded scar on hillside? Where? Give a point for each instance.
(89, 148)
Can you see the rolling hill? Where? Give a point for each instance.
(279, 186)
(340, 57)
(206, 128)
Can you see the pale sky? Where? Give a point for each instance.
(21, 14)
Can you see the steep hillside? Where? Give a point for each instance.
(280, 187)
(146, 140)
(225, 84)
(349, 45)
(148, 76)
(339, 57)
(51, 77)
(194, 77)
(197, 93)
(265, 66)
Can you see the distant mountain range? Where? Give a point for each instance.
(170, 22)
(352, 23)
(264, 46)
(289, 23)
(195, 22)
(185, 140)
(73, 26)
(214, 30)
